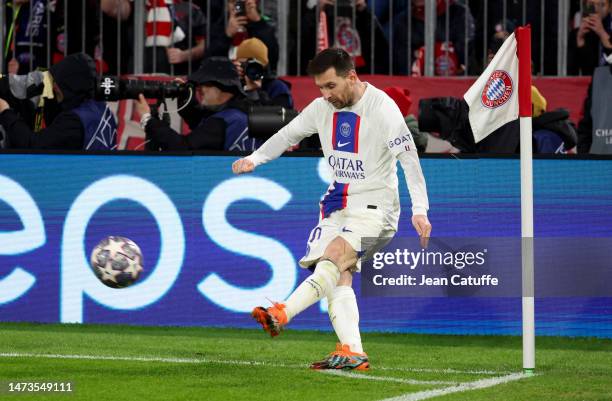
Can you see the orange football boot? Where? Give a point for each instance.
(272, 319)
(343, 358)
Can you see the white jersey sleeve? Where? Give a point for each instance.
(401, 144)
(302, 126)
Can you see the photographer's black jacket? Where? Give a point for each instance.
(207, 131)
(65, 132)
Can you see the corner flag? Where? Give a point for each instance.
(500, 95)
(495, 96)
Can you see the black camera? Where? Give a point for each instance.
(111, 88)
(240, 8)
(253, 69)
(264, 121)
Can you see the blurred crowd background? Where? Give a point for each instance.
(401, 43)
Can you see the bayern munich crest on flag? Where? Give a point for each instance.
(498, 89)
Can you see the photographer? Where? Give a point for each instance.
(244, 21)
(170, 52)
(218, 122)
(259, 85)
(81, 123)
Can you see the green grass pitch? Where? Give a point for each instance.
(110, 362)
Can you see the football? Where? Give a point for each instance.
(117, 262)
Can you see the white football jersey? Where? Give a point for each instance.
(361, 145)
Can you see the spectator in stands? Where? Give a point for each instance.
(259, 85)
(71, 33)
(164, 48)
(449, 118)
(341, 32)
(218, 122)
(116, 51)
(82, 123)
(26, 42)
(247, 23)
(72, 29)
(591, 43)
(449, 57)
(595, 127)
(489, 15)
(502, 32)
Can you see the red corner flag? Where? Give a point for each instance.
(500, 95)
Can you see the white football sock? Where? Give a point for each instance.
(313, 289)
(344, 316)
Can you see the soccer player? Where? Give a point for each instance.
(362, 134)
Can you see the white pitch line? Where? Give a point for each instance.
(445, 370)
(475, 385)
(384, 378)
(148, 359)
(231, 362)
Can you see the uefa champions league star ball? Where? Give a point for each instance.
(117, 262)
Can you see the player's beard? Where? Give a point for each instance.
(339, 104)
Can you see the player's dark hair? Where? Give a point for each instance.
(338, 59)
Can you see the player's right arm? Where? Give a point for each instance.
(291, 134)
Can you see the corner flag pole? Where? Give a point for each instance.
(523, 37)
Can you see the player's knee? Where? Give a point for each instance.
(334, 254)
(346, 278)
(340, 253)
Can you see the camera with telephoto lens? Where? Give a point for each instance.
(240, 8)
(111, 88)
(253, 69)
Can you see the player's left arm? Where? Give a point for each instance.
(401, 144)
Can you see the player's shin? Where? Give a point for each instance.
(344, 316)
(319, 285)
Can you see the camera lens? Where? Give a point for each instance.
(112, 88)
(254, 70)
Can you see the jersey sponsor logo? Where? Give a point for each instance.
(498, 90)
(345, 167)
(345, 131)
